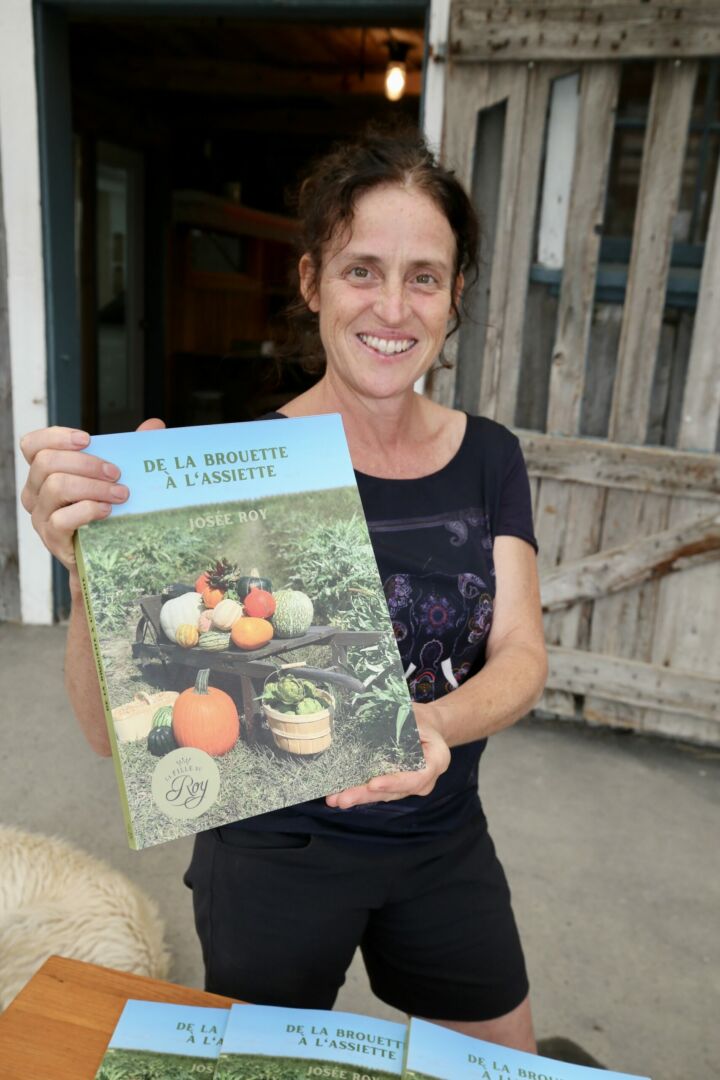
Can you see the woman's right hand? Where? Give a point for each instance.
(65, 488)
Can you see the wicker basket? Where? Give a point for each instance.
(308, 734)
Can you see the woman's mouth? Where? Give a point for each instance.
(387, 346)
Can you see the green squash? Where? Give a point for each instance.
(214, 641)
(252, 581)
(293, 613)
(161, 740)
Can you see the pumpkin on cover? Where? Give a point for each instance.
(259, 603)
(205, 622)
(202, 583)
(250, 633)
(253, 580)
(293, 613)
(186, 635)
(179, 610)
(213, 641)
(205, 718)
(226, 613)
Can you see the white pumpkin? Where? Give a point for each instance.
(179, 610)
(226, 613)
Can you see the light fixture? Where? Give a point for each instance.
(396, 71)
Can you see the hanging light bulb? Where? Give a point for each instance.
(396, 71)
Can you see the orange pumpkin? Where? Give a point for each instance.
(251, 633)
(205, 718)
(202, 583)
(259, 603)
(212, 597)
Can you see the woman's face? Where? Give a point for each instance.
(384, 293)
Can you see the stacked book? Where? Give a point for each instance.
(263, 1042)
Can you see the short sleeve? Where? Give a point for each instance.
(514, 515)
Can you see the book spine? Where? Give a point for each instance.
(104, 693)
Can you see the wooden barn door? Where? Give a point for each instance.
(629, 532)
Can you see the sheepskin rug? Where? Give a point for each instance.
(55, 898)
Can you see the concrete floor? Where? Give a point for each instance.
(610, 842)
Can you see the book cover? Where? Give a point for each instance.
(164, 1041)
(242, 639)
(264, 1042)
(437, 1053)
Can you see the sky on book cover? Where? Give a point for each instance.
(439, 1052)
(195, 1031)
(195, 466)
(316, 1035)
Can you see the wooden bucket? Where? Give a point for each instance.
(308, 734)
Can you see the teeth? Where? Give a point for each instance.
(387, 346)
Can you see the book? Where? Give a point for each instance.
(244, 649)
(152, 1038)
(438, 1053)
(266, 1042)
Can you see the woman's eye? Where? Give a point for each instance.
(426, 279)
(359, 273)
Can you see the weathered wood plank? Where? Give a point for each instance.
(601, 362)
(596, 125)
(500, 277)
(615, 465)
(485, 30)
(663, 155)
(499, 398)
(647, 685)
(701, 401)
(673, 725)
(653, 556)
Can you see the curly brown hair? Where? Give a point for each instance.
(325, 204)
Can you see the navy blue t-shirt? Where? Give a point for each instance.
(433, 539)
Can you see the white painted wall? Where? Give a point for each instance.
(19, 160)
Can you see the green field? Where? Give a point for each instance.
(257, 1067)
(146, 1065)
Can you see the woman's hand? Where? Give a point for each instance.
(401, 784)
(66, 489)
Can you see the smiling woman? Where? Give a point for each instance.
(388, 236)
(402, 866)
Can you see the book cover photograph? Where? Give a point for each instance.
(242, 638)
(437, 1053)
(266, 1042)
(153, 1039)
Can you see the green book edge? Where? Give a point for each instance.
(103, 689)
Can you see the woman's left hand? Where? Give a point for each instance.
(401, 784)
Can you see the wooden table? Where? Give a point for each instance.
(60, 1023)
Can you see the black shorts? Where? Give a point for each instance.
(279, 916)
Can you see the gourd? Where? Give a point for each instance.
(213, 641)
(259, 603)
(179, 610)
(226, 613)
(293, 613)
(252, 581)
(186, 635)
(205, 622)
(206, 718)
(161, 739)
(202, 583)
(250, 633)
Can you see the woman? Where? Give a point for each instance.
(402, 866)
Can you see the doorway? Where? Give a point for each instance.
(191, 130)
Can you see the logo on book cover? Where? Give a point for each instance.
(185, 783)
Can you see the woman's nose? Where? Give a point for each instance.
(391, 305)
